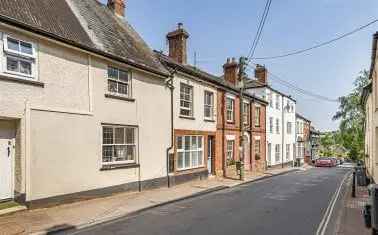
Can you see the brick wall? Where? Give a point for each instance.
(259, 132)
(225, 129)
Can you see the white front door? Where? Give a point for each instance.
(6, 159)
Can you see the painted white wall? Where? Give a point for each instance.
(61, 122)
(198, 123)
(283, 138)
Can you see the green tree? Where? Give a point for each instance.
(352, 118)
(327, 143)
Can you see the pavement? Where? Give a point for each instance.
(83, 214)
(351, 221)
(297, 203)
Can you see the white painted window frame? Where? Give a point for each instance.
(19, 56)
(190, 151)
(230, 111)
(135, 144)
(118, 81)
(246, 113)
(209, 106)
(230, 148)
(190, 101)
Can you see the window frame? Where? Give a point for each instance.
(19, 56)
(190, 101)
(231, 111)
(230, 152)
(288, 148)
(271, 125)
(270, 97)
(257, 146)
(278, 102)
(118, 80)
(278, 128)
(246, 113)
(18, 53)
(289, 127)
(257, 116)
(190, 151)
(209, 106)
(135, 144)
(277, 152)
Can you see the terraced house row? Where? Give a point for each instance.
(87, 109)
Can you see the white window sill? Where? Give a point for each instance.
(188, 169)
(116, 166)
(18, 79)
(119, 97)
(187, 117)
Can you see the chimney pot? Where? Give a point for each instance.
(180, 25)
(117, 7)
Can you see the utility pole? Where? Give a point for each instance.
(241, 76)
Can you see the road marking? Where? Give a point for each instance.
(327, 216)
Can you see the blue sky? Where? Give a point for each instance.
(220, 29)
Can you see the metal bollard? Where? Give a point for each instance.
(354, 185)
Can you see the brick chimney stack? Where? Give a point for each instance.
(177, 44)
(117, 7)
(261, 73)
(231, 68)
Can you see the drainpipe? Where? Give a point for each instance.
(283, 132)
(169, 84)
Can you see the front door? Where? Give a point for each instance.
(6, 159)
(210, 154)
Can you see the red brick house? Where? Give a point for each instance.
(229, 134)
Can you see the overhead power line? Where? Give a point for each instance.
(260, 28)
(298, 89)
(296, 52)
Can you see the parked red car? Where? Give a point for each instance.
(325, 162)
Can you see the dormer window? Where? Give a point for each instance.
(19, 57)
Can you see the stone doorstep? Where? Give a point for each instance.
(11, 210)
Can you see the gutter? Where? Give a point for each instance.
(15, 23)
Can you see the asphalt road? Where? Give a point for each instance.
(293, 204)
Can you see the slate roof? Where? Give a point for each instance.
(302, 117)
(196, 72)
(253, 83)
(87, 24)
